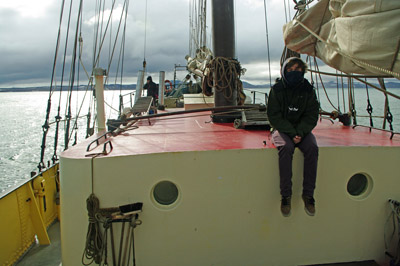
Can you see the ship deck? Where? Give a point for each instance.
(48, 255)
(196, 132)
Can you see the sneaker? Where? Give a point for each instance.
(285, 206)
(309, 205)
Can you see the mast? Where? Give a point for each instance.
(223, 25)
(223, 28)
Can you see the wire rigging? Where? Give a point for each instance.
(268, 51)
(197, 26)
(46, 123)
(124, 11)
(121, 59)
(72, 78)
(145, 34)
(369, 106)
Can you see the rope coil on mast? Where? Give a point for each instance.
(220, 72)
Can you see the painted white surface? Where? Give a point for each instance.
(228, 212)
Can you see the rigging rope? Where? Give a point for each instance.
(121, 62)
(72, 77)
(369, 107)
(337, 90)
(197, 26)
(352, 100)
(46, 123)
(112, 51)
(344, 102)
(46, 126)
(145, 36)
(90, 84)
(80, 41)
(266, 30)
(286, 9)
(97, 57)
(116, 37)
(323, 86)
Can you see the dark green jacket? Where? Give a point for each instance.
(293, 111)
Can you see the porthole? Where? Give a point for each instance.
(359, 185)
(165, 193)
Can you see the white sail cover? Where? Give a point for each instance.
(355, 36)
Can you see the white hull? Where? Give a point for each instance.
(229, 214)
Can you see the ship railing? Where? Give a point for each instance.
(123, 101)
(255, 93)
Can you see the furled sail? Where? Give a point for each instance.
(353, 36)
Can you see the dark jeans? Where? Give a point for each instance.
(286, 146)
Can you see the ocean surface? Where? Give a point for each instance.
(23, 114)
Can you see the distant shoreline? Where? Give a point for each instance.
(81, 88)
(389, 85)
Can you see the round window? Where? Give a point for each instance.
(359, 185)
(165, 193)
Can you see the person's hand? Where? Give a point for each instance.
(297, 139)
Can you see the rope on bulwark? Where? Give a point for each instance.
(94, 238)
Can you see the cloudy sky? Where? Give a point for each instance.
(28, 32)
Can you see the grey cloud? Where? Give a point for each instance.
(28, 44)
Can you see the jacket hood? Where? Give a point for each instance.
(283, 73)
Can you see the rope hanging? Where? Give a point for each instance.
(94, 238)
(97, 239)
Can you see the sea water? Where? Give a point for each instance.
(23, 115)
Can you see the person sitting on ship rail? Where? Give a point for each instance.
(293, 111)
